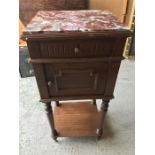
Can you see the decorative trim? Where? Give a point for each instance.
(43, 60)
(46, 100)
(71, 35)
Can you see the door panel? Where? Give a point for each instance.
(76, 78)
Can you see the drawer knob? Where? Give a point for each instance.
(76, 50)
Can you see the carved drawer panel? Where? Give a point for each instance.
(76, 78)
(79, 48)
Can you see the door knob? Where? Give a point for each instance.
(76, 50)
(50, 83)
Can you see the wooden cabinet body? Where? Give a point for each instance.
(77, 57)
(66, 73)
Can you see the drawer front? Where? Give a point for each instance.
(77, 49)
(76, 78)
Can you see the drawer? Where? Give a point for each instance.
(77, 49)
(76, 78)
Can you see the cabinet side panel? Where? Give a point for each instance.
(34, 48)
(34, 51)
(112, 76)
(118, 47)
(41, 80)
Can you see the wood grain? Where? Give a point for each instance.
(76, 119)
(86, 48)
(96, 68)
(75, 97)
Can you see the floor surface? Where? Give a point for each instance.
(118, 137)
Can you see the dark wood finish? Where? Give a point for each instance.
(77, 97)
(77, 35)
(77, 49)
(112, 76)
(76, 119)
(104, 109)
(94, 101)
(57, 103)
(46, 61)
(102, 65)
(41, 80)
(51, 120)
(83, 78)
(76, 65)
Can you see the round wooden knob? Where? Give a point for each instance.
(76, 50)
(50, 83)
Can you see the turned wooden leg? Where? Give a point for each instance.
(57, 103)
(104, 109)
(94, 101)
(49, 113)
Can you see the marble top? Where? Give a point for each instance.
(81, 20)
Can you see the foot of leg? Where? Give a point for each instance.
(100, 132)
(55, 136)
(49, 113)
(104, 109)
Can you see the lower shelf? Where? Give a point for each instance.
(76, 119)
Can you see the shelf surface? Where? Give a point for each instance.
(76, 119)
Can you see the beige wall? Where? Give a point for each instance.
(130, 13)
(117, 7)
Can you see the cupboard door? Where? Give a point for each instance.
(76, 78)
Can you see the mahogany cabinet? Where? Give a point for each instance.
(75, 55)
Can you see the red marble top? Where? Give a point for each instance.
(82, 20)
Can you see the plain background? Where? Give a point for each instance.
(145, 77)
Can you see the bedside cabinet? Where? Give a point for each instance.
(75, 55)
